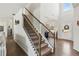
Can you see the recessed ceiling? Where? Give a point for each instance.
(7, 9)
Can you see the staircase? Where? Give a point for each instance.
(40, 45)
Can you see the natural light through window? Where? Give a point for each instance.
(67, 6)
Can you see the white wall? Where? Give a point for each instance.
(42, 11)
(76, 29)
(66, 18)
(19, 17)
(7, 9)
(53, 14)
(20, 36)
(49, 12)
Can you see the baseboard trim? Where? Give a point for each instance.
(65, 39)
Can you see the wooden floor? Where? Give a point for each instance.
(65, 48)
(13, 49)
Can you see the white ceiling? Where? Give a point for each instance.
(7, 9)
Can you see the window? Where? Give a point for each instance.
(67, 6)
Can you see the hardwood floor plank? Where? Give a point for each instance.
(65, 48)
(13, 49)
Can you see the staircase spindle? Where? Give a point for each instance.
(40, 37)
(54, 42)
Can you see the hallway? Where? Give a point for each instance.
(65, 48)
(13, 49)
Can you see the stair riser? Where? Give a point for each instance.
(47, 53)
(43, 47)
(32, 34)
(45, 50)
(26, 24)
(28, 28)
(36, 43)
(35, 39)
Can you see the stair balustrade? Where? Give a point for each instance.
(39, 28)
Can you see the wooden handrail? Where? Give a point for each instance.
(44, 26)
(39, 21)
(29, 22)
(38, 34)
